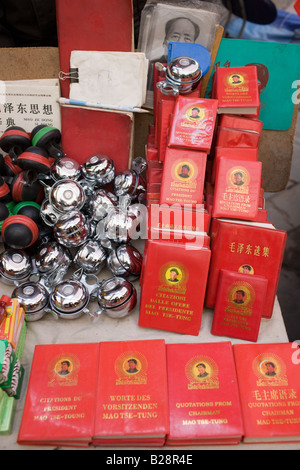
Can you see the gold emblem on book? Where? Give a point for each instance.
(202, 373)
(63, 370)
(270, 370)
(131, 368)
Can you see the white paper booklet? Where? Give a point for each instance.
(110, 78)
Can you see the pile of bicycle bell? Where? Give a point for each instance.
(60, 217)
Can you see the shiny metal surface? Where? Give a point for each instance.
(118, 226)
(33, 297)
(100, 203)
(125, 261)
(15, 265)
(117, 296)
(183, 74)
(91, 257)
(53, 261)
(65, 168)
(71, 229)
(99, 169)
(66, 195)
(69, 297)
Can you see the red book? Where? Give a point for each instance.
(269, 385)
(193, 123)
(203, 395)
(233, 153)
(239, 305)
(90, 29)
(236, 89)
(60, 400)
(164, 111)
(174, 281)
(237, 243)
(132, 398)
(183, 176)
(237, 189)
(230, 121)
(86, 132)
(227, 137)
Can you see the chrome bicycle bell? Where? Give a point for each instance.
(117, 297)
(71, 229)
(126, 261)
(131, 182)
(182, 76)
(53, 261)
(34, 298)
(66, 195)
(91, 257)
(65, 168)
(69, 299)
(98, 170)
(15, 266)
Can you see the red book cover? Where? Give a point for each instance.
(227, 137)
(193, 123)
(86, 132)
(230, 121)
(183, 176)
(203, 394)
(236, 89)
(235, 244)
(237, 189)
(233, 153)
(173, 288)
(132, 397)
(60, 399)
(239, 305)
(103, 26)
(269, 385)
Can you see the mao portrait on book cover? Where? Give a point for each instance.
(131, 367)
(270, 369)
(202, 372)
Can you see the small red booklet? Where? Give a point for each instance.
(236, 89)
(269, 385)
(132, 399)
(60, 400)
(203, 395)
(237, 189)
(233, 153)
(239, 305)
(236, 243)
(173, 286)
(183, 176)
(193, 123)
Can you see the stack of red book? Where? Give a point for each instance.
(105, 394)
(203, 395)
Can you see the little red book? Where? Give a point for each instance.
(236, 89)
(60, 399)
(203, 395)
(193, 123)
(235, 244)
(269, 385)
(132, 399)
(183, 176)
(237, 189)
(239, 305)
(174, 280)
(233, 153)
